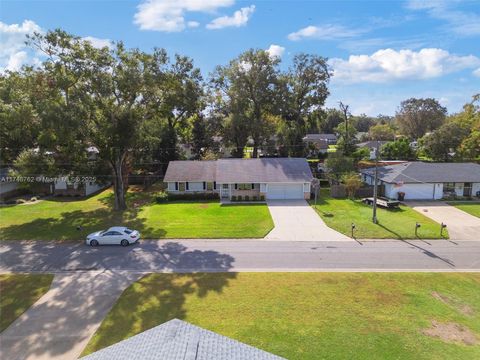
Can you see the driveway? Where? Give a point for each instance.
(60, 324)
(461, 225)
(295, 220)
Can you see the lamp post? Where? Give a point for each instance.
(417, 225)
(316, 187)
(353, 228)
(442, 226)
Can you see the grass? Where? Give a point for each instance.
(18, 292)
(473, 208)
(339, 214)
(58, 218)
(307, 315)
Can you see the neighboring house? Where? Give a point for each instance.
(8, 187)
(274, 178)
(372, 144)
(62, 187)
(321, 142)
(179, 340)
(432, 181)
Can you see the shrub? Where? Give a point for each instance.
(162, 198)
(239, 197)
(247, 198)
(254, 198)
(20, 201)
(234, 198)
(193, 196)
(34, 198)
(262, 197)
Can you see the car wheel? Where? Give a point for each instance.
(124, 242)
(94, 243)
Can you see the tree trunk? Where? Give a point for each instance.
(118, 184)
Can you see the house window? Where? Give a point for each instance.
(449, 187)
(244, 186)
(181, 186)
(209, 186)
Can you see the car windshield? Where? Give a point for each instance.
(102, 232)
(128, 231)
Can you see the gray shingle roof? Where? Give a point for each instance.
(312, 137)
(179, 340)
(191, 171)
(421, 172)
(241, 170)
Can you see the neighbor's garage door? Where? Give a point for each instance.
(285, 191)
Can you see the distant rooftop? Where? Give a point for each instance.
(316, 137)
(180, 340)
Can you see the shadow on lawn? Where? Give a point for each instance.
(157, 298)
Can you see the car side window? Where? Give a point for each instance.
(115, 233)
(108, 233)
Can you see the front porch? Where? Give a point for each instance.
(241, 191)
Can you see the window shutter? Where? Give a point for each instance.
(186, 184)
(253, 186)
(236, 186)
(214, 185)
(176, 186)
(204, 185)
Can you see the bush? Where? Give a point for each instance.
(20, 201)
(239, 197)
(34, 198)
(262, 197)
(162, 198)
(247, 198)
(234, 198)
(193, 196)
(254, 198)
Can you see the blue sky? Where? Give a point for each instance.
(381, 52)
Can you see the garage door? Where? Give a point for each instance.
(285, 191)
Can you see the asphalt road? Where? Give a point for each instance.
(242, 255)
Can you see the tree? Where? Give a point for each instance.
(352, 183)
(442, 144)
(337, 165)
(201, 139)
(363, 123)
(381, 132)
(416, 117)
(245, 90)
(303, 92)
(332, 119)
(397, 150)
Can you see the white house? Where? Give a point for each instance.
(429, 181)
(271, 178)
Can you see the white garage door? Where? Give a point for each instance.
(285, 191)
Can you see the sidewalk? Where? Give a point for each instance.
(60, 324)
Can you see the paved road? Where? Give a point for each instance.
(60, 324)
(241, 255)
(461, 225)
(295, 220)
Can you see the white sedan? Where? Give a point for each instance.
(118, 235)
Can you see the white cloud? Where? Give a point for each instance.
(477, 72)
(98, 43)
(276, 50)
(462, 23)
(388, 64)
(193, 24)
(169, 15)
(325, 32)
(239, 18)
(13, 51)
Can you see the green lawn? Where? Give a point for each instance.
(473, 208)
(18, 292)
(339, 214)
(309, 315)
(58, 218)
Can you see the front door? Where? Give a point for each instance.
(467, 189)
(225, 191)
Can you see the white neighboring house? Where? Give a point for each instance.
(427, 181)
(272, 178)
(65, 188)
(8, 187)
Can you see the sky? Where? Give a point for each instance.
(380, 52)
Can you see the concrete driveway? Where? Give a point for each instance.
(295, 220)
(461, 225)
(60, 324)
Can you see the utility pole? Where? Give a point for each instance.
(375, 186)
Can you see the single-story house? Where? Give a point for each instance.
(330, 139)
(63, 187)
(180, 340)
(429, 181)
(273, 178)
(8, 186)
